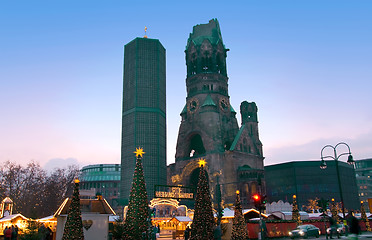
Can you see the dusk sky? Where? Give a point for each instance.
(307, 65)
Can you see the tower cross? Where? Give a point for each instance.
(145, 32)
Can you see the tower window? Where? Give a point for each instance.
(196, 146)
(245, 145)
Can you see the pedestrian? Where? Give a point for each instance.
(354, 227)
(48, 235)
(6, 228)
(187, 233)
(217, 233)
(14, 232)
(8, 234)
(333, 227)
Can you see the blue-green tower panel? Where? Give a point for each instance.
(144, 114)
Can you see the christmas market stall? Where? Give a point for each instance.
(94, 214)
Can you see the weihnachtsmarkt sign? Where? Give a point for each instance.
(176, 192)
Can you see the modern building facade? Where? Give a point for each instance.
(209, 127)
(144, 114)
(307, 181)
(102, 179)
(363, 171)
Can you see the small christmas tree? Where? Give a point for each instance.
(203, 223)
(334, 212)
(364, 217)
(295, 212)
(239, 229)
(74, 225)
(136, 221)
(31, 232)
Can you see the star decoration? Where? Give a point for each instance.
(76, 180)
(139, 152)
(202, 162)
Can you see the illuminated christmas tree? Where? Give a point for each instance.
(295, 212)
(136, 221)
(239, 229)
(74, 225)
(203, 223)
(334, 211)
(364, 217)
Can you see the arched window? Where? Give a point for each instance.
(196, 146)
(253, 188)
(205, 65)
(218, 63)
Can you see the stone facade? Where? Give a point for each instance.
(209, 127)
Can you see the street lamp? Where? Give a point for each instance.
(323, 165)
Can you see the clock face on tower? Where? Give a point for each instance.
(224, 103)
(192, 105)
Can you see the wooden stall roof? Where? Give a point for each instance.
(100, 206)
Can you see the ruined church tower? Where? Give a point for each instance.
(209, 127)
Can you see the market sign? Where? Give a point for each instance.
(175, 192)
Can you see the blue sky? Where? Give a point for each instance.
(307, 65)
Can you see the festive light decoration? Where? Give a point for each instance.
(239, 229)
(203, 223)
(74, 226)
(202, 162)
(295, 212)
(136, 221)
(139, 152)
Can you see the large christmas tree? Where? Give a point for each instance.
(203, 223)
(74, 225)
(136, 221)
(239, 229)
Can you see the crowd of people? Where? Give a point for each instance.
(11, 233)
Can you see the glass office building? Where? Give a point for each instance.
(103, 179)
(144, 114)
(363, 171)
(307, 181)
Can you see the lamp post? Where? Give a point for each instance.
(218, 198)
(335, 157)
